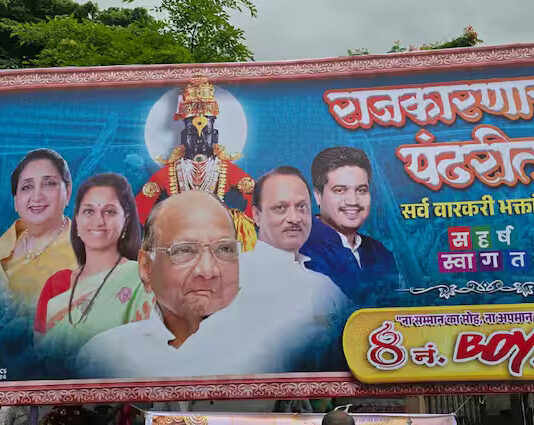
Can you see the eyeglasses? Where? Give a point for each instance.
(185, 252)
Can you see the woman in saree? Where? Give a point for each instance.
(37, 244)
(105, 290)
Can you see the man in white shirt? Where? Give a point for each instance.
(307, 307)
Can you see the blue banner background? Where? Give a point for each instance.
(99, 130)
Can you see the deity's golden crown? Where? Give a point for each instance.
(197, 99)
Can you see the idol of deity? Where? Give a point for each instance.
(200, 163)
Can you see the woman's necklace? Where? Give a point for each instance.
(32, 255)
(85, 312)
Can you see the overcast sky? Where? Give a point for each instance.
(294, 29)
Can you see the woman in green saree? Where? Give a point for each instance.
(105, 290)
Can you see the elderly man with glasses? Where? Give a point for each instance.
(189, 260)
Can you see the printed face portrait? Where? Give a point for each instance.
(284, 216)
(100, 219)
(199, 143)
(41, 195)
(203, 283)
(346, 201)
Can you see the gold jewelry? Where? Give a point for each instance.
(220, 152)
(151, 189)
(246, 185)
(223, 169)
(34, 254)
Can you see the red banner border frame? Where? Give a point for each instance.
(310, 385)
(347, 66)
(247, 388)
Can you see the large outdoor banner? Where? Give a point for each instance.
(353, 226)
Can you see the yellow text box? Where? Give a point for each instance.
(425, 344)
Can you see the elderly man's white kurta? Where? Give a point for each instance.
(284, 319)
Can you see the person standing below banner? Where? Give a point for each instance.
(361, 266)
(37, 244)
(337, 417)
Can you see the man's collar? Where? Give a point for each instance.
(346, 244)
(301, 258)
(157, 317)
(324, 231)
(280, 253)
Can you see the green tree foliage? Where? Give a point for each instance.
(357, 52)
(65, 41)
(204, 28)
(119, 16)
(36, 10)
(397, 48)
(468, 38)
(12, 54)
(65, 33)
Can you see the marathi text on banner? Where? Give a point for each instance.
(485, 342)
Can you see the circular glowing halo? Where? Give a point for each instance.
(162, 133)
